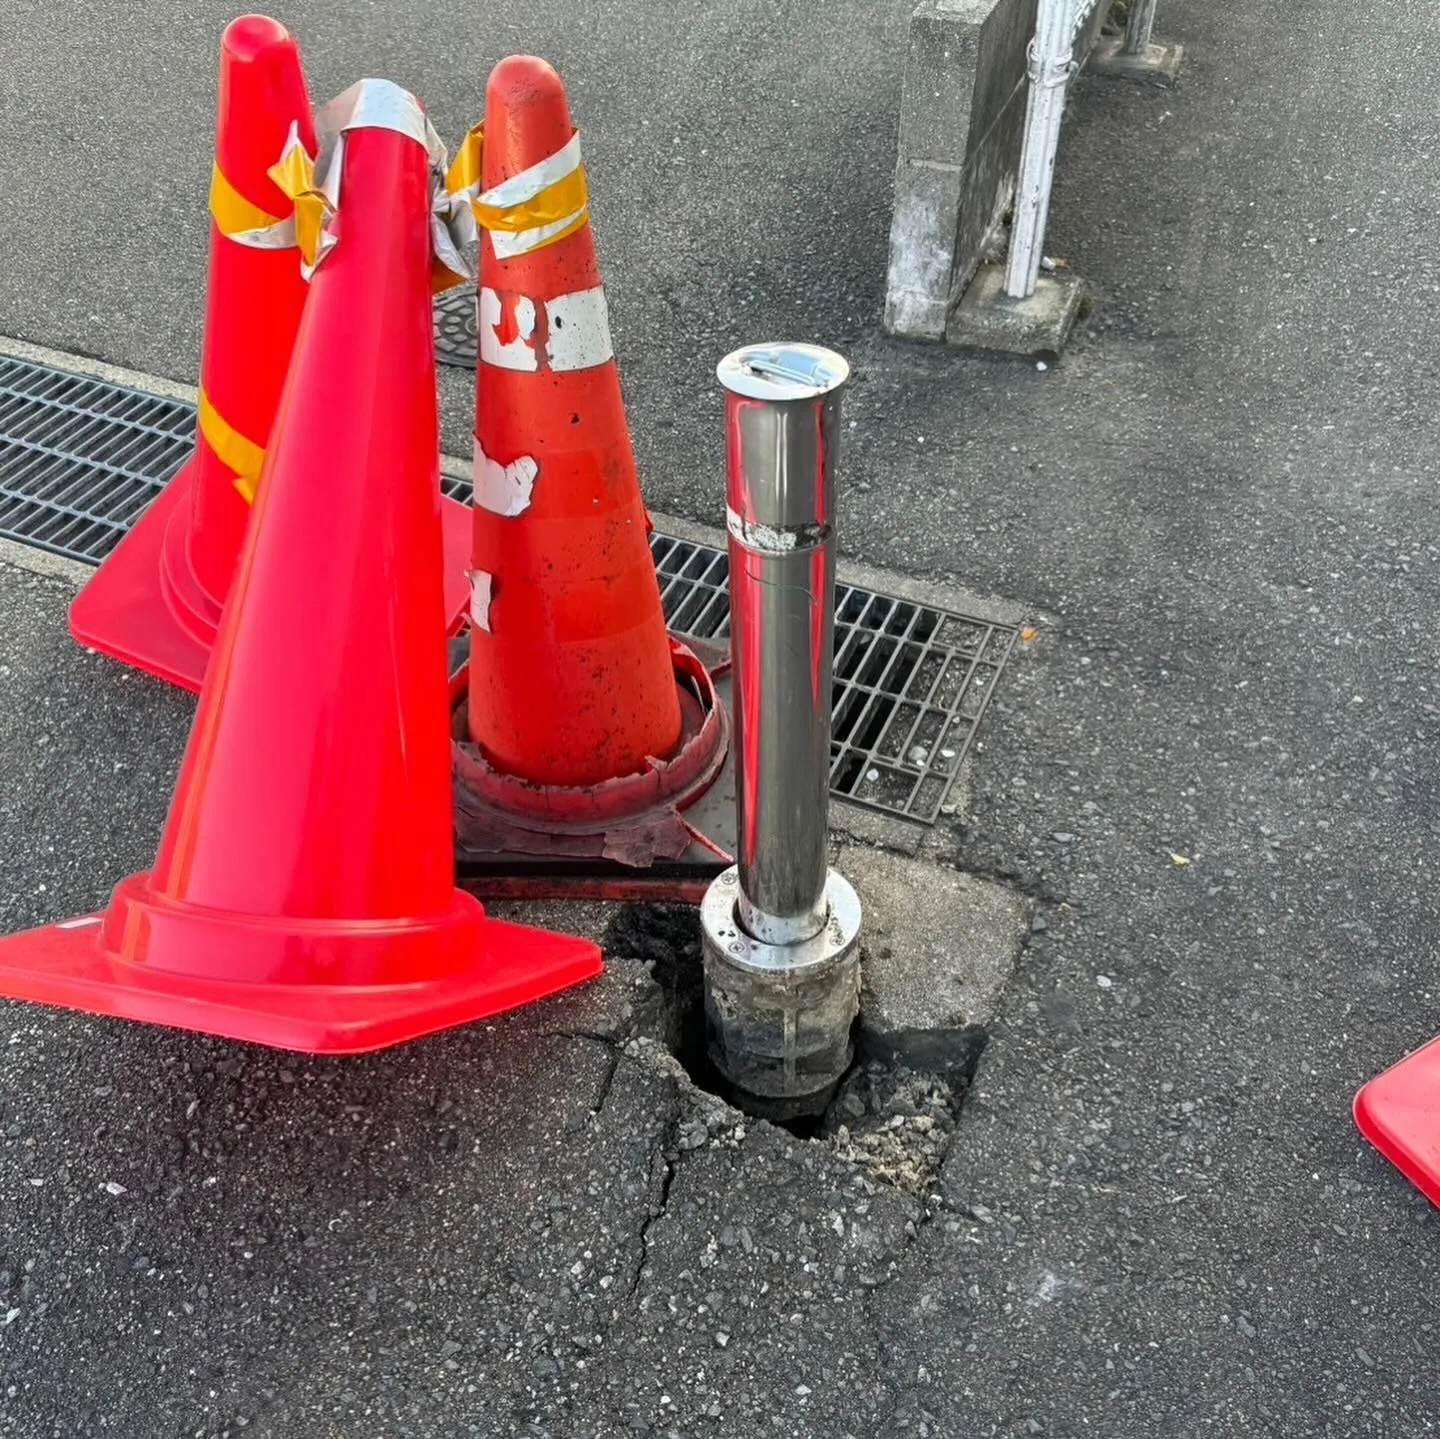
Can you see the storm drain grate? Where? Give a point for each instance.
(80, 458)
(911, 681)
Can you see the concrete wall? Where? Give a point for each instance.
(962, 121)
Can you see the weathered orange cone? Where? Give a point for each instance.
(571, 676)
(587, 732)
(303, 893)
(156, 601)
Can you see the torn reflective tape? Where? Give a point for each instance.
(463, 176)
(314, 185)
(237, 219)
(537, 207)
(575, 336)
(482, 586)
(383, 105)
(244, 457)
(774, 539)
(453, 237)
(376, 105)
(294, 174)
(503, 489)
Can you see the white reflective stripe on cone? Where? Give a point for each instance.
(521, 242)
(521, 188)
(577, 331)
(503, 489)
(541, 175)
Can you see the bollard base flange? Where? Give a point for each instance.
(1038, 328)
(1157, 64)
(779, 1017)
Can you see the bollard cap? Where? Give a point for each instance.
(781, 372)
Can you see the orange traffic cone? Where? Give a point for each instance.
(571, 679)
(303, 891)
(156, 601)
(588, 729)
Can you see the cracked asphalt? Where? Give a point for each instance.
(1214, 771)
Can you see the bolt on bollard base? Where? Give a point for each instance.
(779, 1015)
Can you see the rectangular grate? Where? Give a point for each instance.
(80, 458)
(911, 681)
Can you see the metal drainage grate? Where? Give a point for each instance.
(911, 681)
(80, 458)
(456, 340)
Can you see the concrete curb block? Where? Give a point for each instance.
(98, 369)
(41, 562)
(988, 319)
(962, 127)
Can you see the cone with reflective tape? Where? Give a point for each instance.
(156, 601)
(572, 681)
(303, 891)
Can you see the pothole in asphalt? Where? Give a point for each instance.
(892, 1115)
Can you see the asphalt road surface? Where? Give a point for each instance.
(1155, 1217)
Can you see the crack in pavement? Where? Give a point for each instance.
(664, 1155)
(614, 1053)
(666, 1160)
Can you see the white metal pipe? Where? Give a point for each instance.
(1052, 63)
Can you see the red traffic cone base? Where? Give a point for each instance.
(1399, 1113)
(145, 608)
(495, 966)
(127, 610)
(662, 833)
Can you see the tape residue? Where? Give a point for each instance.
(514, 352)
(576, 331)
(770, 540)
(482, 590)
(503, 489)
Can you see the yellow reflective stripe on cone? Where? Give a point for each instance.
(560, 201)
(237, 219)
(232, 449)
(232, 211)
(537, 207)
(294, 174)
(463, 176)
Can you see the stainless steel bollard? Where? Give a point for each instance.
(781, 929)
